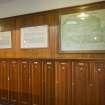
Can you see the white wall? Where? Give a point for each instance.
(19, 7)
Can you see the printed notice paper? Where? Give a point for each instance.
(5, 39)
(34, 37)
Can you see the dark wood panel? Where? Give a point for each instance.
(27, 21)
(96, 84)
(63, 81)
(14, 82)
(24, 83)
(36, 75)
(52, 82)
(79, 82)
(4, 82)
(24, 21)
(49, 82)
(8, 24)
(50, 18)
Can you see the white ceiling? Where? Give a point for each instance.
(10, 8)
(5, 1)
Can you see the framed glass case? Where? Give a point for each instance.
(82, 31)
(34, 37)
(5, 40)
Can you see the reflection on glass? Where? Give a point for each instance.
(83, 16)
(83, 31)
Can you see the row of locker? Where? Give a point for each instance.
(52, 82)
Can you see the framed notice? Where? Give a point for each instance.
(5, 40)
(34, 37)
(83, 31)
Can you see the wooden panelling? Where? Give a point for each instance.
(24, 83)
(4, 82)
(63, 83)
(96, 84)
(8, 24)
(36, 75)
(13, 82)
(49, 82)
(79, 82)
(52, 82)
(32, 20)
(51, 18)
(88, 83)
(91, 87)
(25, 21)
(54, 78)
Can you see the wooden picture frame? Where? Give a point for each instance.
(72, 23)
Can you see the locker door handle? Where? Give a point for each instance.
(73, 83)
(35, 62)
(90, 85)
(63, 67)
(8, 78)
(99, 69)
(81, 64)
(49, 63)
(63, 63)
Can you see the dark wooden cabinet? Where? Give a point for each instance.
(79, 82)
(49, 82)
(24, 83)
(4, 82)
(96, 84)
(36, 77)
(63, 83)
(52, 82)
(13, 82)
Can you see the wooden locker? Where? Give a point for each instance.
(4, 82)
(96, 85)
(14, 82)
(24, 83)
(36, 75)
(63, 79)
(79, 82)
(49, 82)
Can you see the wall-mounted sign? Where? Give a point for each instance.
(34, 37)
(5, 39)
(83, 31)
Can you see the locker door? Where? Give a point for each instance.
(79, 82)
(4, 82)
(97, 84)
(24, 83)
(36, 74)
(63, 79)
(48, 82)
(13, 83)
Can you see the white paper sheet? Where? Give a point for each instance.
(34, 37)
(5, 39)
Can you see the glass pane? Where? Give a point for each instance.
(83, 31)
